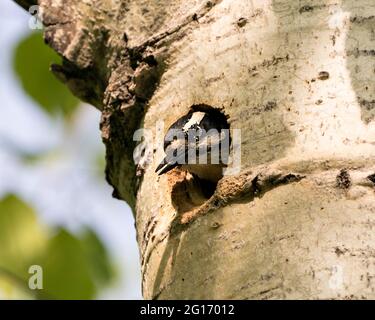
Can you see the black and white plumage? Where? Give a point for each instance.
(198, 142)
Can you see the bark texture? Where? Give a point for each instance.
(297, 77)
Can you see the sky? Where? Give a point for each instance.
(66, 187)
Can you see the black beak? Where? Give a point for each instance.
(164, 167)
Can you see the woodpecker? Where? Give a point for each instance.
(199, 143)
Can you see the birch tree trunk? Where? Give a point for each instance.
(297, 78)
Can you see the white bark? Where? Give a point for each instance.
(297, 77)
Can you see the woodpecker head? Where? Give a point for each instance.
(199, 142)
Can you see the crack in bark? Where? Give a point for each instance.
(193, 18)
(361, 19)
(248, 185)
(256, 182)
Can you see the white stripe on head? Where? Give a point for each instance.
(196, 118)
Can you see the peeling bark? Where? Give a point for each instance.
(297, 78)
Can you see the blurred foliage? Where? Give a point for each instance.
(73, 267)
(99, 164)
(32, 58)
(97, 256)
(67, 270)
(21, 237)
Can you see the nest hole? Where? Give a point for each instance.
(213, 111)
(191, 192)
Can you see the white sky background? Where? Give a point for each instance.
(65, 190)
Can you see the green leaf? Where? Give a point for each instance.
(99, 261)
(21, 237)
(32, 59)
(66, 269)
(73, 267)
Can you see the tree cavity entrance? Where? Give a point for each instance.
(191, 192)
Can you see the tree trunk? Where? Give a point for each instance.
(297, 78)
